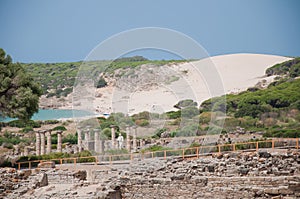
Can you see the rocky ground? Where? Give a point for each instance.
(233, 175)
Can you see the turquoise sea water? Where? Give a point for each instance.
(55, 114)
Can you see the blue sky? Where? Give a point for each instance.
(67, 30)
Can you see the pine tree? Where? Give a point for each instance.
(19, 93)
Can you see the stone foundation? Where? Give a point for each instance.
(232, 175)
(235, 175)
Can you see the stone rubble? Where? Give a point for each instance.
(228, 175)
(235, 175)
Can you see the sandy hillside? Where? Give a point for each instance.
(155, 89)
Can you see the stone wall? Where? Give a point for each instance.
(211, 187)
(14, 184)
(235, 175)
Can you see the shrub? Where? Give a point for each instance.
(206, 117)
(142, 115)
(8, 138)
(189, 130)
(70, 138)
(142, 122)
(51, 122)
(59, 128)
(27, 129)
(101, 83)
(8, 145)
(173, 134)
(155, 148)
(190, 112)
(186, 103)
(107, 132)
(174, 114)
(158, 132)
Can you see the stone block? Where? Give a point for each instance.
(199, 180)
(264, 154)
(42, 180)
(81, 175)
(272, 191)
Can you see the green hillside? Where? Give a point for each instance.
(57, 79)
(274, 110)
(289, 68)
(275, 98)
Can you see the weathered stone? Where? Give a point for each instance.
(42, 180)
(272, 191)
(244, 171)
(81, 175)
(177, 177)
(264, 154)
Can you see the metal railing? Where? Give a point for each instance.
(194, 152)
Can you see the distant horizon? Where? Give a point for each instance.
(146, 58)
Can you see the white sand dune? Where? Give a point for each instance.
(199, 80)
(241, 71)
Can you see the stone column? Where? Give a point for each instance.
(128, 147)
(43, 148)
(26, 151)
(134, 143)
(86, 136)
(113, 136)
(48, 141)
(37, 143)
(106, 145)
(96, 140)
(142, 143)
(101, 146)
(86, 139)
(59, 141)
(79, 140)
(90, 135)
(16, 150)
